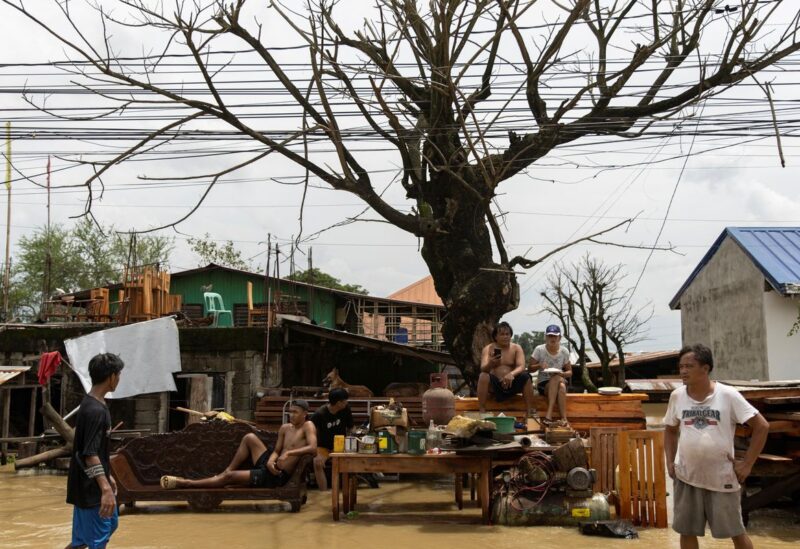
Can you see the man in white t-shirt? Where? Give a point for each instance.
(700, 426)
(547, 359)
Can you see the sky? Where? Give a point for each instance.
(682, 189)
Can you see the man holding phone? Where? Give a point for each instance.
(503, 370)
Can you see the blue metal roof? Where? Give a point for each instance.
(774, 250)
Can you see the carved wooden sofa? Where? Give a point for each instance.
(200, 450)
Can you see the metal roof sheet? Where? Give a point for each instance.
(7, 373)
(775, 251)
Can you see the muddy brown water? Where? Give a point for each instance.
(415, 514)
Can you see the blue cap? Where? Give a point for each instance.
(553, 330)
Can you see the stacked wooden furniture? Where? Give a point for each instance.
(584, 411)
(147, 292)
(198, 451)
(270, 409)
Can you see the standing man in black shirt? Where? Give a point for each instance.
(90, 487)
(334, 418)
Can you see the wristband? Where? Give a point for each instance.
(94, 471)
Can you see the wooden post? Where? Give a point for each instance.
(32, 413)
(5, 396)
(163, 412)
(49, 413)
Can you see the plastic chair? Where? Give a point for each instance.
(216, 308)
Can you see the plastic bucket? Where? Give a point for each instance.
(416, 442)
(505, 424)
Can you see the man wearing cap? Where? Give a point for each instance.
(503, 370)
(552, 356)
(272, 469)
(331, 419)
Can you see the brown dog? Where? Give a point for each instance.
(333, 381)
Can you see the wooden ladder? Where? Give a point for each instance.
(642, 478)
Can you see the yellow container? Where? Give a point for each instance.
(338, 443)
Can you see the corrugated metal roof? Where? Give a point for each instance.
(774, 250)
(632, 359)
(7, 373)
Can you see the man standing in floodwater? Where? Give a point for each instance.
(503, 370)
(272, 469)
(90, 487)
(700, 426)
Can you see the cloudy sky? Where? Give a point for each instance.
(729, 180)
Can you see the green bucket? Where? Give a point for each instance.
(505, 424)
(416, 442)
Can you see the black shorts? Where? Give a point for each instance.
(501, 393)
(261, 477)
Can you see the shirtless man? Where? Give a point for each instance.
(503, 368)
(274, 469)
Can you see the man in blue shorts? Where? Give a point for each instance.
(90, 487)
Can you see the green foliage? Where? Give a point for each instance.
(319, 278)
(84, 256)
(529, 341)
(225, 254)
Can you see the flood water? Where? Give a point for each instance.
(412, 513)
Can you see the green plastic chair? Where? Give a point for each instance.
(216, 308)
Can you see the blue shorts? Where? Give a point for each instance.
(89, 529)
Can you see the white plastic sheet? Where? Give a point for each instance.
(149, 349)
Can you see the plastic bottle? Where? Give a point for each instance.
(432, 442)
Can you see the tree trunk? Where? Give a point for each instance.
(471, 284)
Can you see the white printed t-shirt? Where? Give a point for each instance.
(707, 428)
(546, 360)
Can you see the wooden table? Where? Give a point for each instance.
(442, 464)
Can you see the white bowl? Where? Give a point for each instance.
(609, 391)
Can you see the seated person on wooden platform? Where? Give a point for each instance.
(334, 418)
(272, 469)
(503, 370)
(552, 356)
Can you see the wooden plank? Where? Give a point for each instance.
(660, 477)
(603, 442)
(778, 401)
(32, 413)
(787, 416)
(642, 485)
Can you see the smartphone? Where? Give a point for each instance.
(496, 352)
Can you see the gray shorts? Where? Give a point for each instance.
(694, 506)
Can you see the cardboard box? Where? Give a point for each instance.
(378, 419)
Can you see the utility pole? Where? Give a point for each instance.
(48, 254)
(7, 274)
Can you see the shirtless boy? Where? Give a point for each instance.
(503, 369)
(296, 438)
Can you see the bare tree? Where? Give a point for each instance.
(419, 75)
(589, 301)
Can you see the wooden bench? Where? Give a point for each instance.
(270, 409)
(198, 451)
(584, 411)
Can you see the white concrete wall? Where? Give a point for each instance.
(783, 352)
(723, 308)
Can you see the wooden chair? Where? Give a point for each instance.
(642, 478)
(252, 311)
